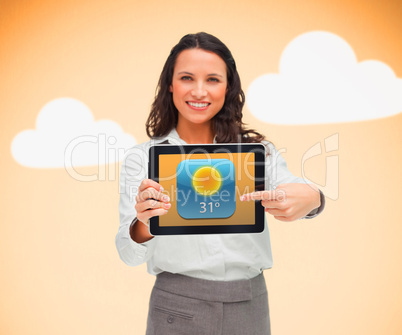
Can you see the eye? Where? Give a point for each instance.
(213, 79)
(186, 78)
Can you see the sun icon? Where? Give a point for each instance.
(207, 180)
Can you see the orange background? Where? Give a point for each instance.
(338, 274)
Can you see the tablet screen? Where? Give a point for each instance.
(204, 184)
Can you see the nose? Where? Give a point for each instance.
(199, 91)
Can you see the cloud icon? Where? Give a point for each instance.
(66, 135)
(320, 81)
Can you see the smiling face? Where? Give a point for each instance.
(198, 87)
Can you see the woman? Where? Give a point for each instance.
(206, 284)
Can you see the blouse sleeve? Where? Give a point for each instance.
(134, 169)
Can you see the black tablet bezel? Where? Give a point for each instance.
(259, 173)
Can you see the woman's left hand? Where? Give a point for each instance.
(288, 202)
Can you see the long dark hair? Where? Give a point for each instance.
(227, 124)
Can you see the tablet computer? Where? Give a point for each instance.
(204, 183)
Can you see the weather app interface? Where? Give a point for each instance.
(206, 188)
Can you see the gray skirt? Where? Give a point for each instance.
(182, 305)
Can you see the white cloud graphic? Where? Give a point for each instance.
(66, 135)
(320, 81)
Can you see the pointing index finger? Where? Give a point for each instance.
(261, 195)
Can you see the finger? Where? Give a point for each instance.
(151, 193)
(274, 204)
(274, 212)
(151, 204)
(266, 195)
(146, 183)
(278, 194)
(145, 216)
(279, 212)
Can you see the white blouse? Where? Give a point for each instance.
(222, 257)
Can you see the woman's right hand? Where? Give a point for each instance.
(150, 202)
